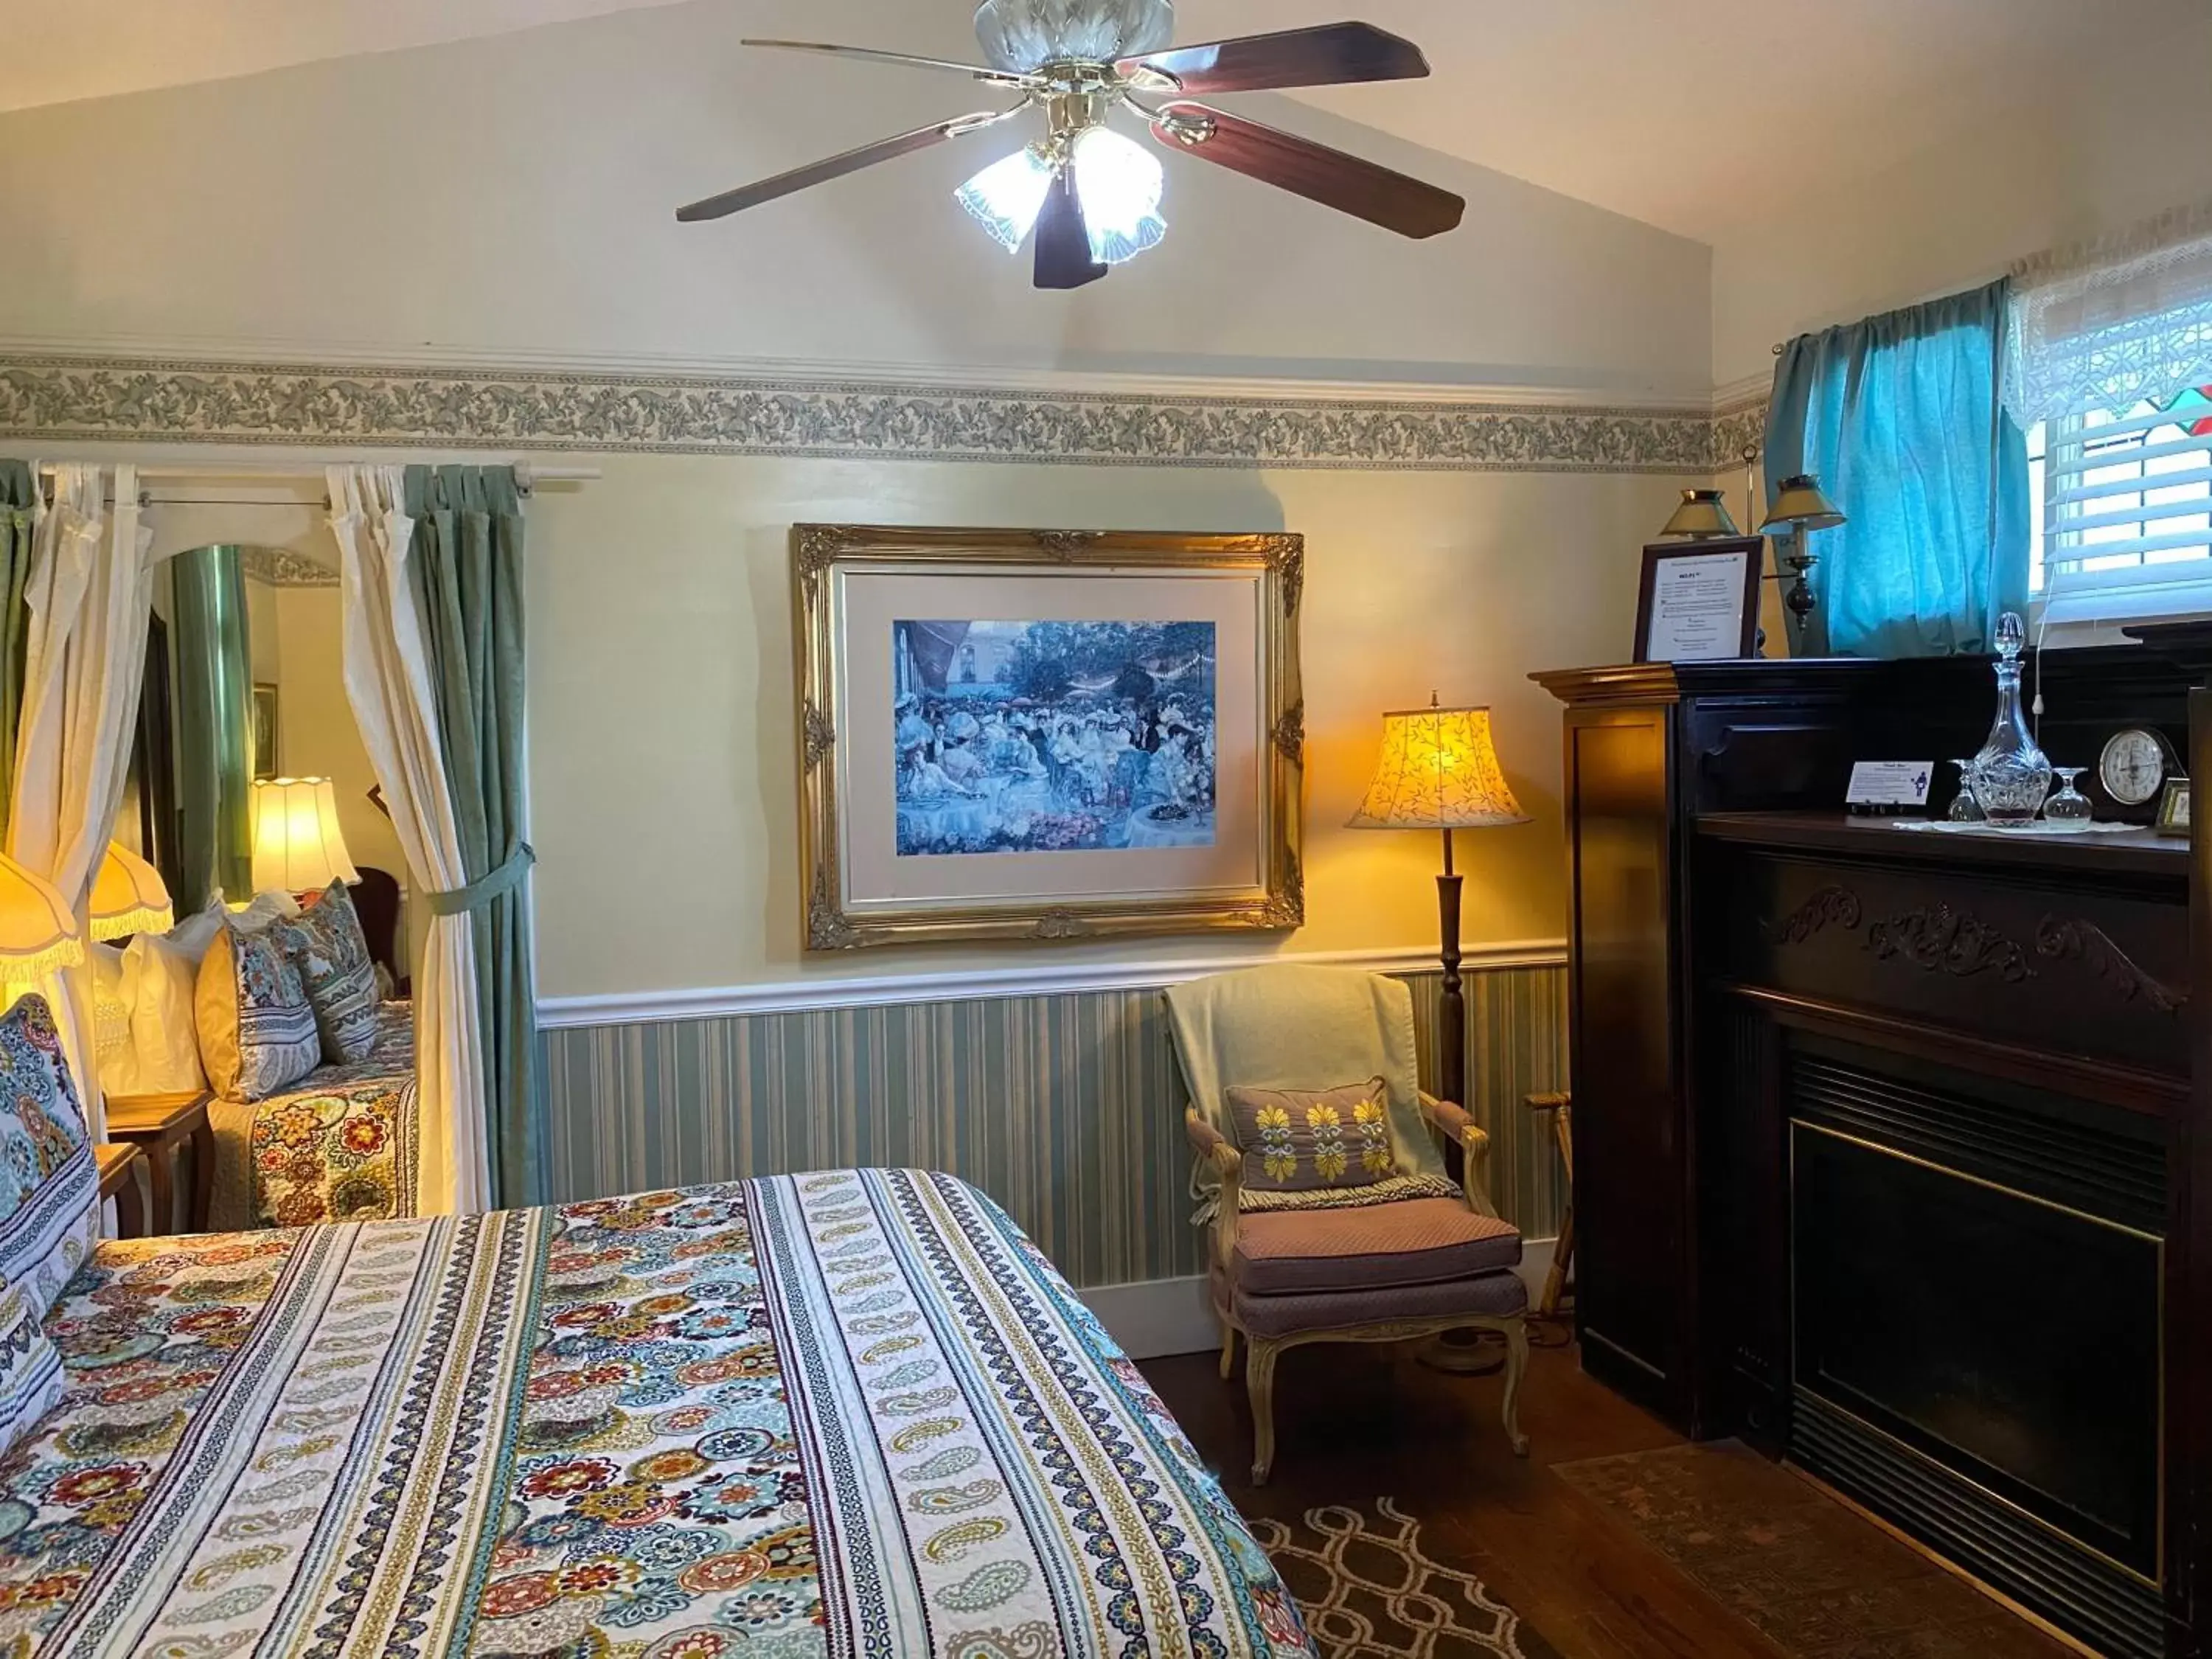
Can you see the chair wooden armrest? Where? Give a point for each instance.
(1211, 1146)
(1473, 1142)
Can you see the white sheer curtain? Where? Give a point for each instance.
(2112, 324)
(387, 676)
(90, 593)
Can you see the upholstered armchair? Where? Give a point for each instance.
(1406, 1257)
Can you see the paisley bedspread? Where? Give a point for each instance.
(344, 1145)
(837, 1415)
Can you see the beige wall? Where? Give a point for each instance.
(2123, 140)
(664, 765)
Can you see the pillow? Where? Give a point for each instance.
(1299, 1140)
(264, 911)
(49, 1179)
(160, 973)
(327, 945)
(31, 1380)
(257, 1030)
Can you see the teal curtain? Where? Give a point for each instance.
(465, 563)
(1901, 418)
(18, 503)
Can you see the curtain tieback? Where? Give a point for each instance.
(477, 895)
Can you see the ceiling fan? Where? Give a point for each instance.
(1091, 195)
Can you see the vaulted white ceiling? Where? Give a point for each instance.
(1691, 114)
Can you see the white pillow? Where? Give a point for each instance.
(160, 974)
(264, 911)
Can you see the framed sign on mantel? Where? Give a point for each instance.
(1048, 735)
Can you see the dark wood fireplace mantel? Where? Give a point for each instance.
(1888, 1140)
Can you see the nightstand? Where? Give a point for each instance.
(160, 1125)
(118, 1180)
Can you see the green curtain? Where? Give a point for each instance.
(214, 728)
(465, 564)
(18, 501)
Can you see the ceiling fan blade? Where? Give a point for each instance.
(1314, 171)
(1063, 238)
(889, 149)
(1337, 54)
(868, 54)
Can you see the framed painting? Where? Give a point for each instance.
(1048, 735)
(267, 750)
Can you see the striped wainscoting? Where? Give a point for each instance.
(1067, 1110)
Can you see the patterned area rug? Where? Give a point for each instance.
(1368, 1592)
(1815, 1579)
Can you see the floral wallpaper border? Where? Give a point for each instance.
(106, 399)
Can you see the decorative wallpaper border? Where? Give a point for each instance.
(136, 400)
(279, 567)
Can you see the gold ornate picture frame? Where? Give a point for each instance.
(1048, 735)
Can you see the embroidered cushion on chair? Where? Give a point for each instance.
(327, 946)
(257, 1028)
(49, 1177)
(1304, 1140)
(1382, 1247)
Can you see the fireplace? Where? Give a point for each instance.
(1976, 1284)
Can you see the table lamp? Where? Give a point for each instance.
(298, 848)
(1799, 510)
(1702, 517)
(129, 897)
(1439, 771)
(38, 934)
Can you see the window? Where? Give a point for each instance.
(2123, 510)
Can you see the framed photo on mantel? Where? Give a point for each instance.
(1048, 735)
(1700, 600)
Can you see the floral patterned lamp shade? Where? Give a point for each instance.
(1439, 770)
(38, 934)
(297, 845)
(129, 897)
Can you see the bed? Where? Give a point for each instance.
(343, 1145)
(855, 1413)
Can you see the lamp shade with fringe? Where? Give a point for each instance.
(297, 845)
(38, 934)
(129, 897)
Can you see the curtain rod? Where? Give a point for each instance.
(526, 476)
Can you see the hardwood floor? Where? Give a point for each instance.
(1359, 1423)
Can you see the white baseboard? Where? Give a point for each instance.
(1165, 1316)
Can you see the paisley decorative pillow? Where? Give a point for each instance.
(257, 1028)
(327, 946)
(31, 1380)
(1302, 1140)
(49, 1178)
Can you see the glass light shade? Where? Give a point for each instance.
(1006, 196)
(1439, 770)
(1020, 35)
(1802, 505)
(1701, 516)
(129, 897)
(38, 932)
(297, 844)
(1120, 183)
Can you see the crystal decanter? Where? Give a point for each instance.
(2012, 775)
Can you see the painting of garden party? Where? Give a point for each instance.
(1053, 737)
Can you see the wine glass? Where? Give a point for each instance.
(2068, 812)
(1964, 809)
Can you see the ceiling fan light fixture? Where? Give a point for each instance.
(1006, 196)
(1021, 36)
(1120, 184)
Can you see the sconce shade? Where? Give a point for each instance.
(1439, 770)
(1803, 506)
(297, 845)
(129, 897)
(38, 934)
(1701, 516)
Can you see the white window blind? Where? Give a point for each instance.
(2127, 512)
